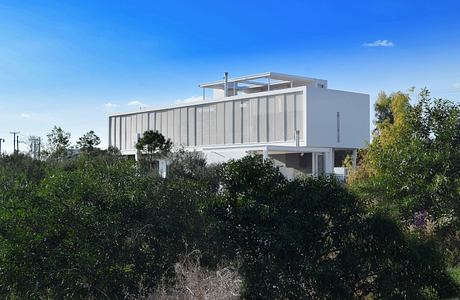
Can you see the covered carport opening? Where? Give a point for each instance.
(294, 160)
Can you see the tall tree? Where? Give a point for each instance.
(384, 108)
(153, 146)
(58, 142)
(88, 142)
(412, 167)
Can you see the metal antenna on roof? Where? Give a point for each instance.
(226, 84)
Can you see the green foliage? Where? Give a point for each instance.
(311, 238)
(192, 165)
(19, 175)
(88, 142)
(154, 144)
(95, 229)
(96, 225)
(455, 273)
(382, 109)
(58, 143)
(152, 147)
(413, 166)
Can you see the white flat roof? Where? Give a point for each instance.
(248, 79)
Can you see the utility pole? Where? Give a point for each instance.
(14, 133)
(39, 147)
(1, 141)
(17, 143)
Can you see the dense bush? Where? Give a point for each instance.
(311, 238)
(97, 225)
(19, 175)
(97, 228)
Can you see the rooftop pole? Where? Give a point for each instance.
(226, 84)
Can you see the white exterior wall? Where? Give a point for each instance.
(221, 156)
(322, 124)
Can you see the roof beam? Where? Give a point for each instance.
(253, 82)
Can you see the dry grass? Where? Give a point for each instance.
(196, 282)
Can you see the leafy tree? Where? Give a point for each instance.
(58, 143)
(412, 168)
(154, 146)
(88, 142)
(312, 239)
(382, 109)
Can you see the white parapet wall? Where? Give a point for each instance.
(337, 119)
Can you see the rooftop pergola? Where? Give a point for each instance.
(257, 83)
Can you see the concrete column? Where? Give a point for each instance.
(329, 161)
(163, 168)
(265, 154)
(333, 158)
(314, 165)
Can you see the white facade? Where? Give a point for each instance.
(296, 121)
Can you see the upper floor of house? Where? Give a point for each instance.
(269, 109)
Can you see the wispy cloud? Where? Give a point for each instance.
(110, 105)
(190, 99)
(456, 85)
(137, 103)
(379, 43)
(25, 116)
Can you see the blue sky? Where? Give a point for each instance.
(70, 63)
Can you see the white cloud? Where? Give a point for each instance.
(379, 43)
(136, 103)
(190, 99)
(25, 116)
(456, 85)
(110, 105)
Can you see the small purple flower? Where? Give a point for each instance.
(420, 219)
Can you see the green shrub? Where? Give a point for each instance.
(97, 225)
(95, 229)
(311, 238)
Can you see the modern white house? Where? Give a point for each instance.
(298, 122)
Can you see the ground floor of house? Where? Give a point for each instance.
(292, 161)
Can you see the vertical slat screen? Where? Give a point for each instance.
(253, 120)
